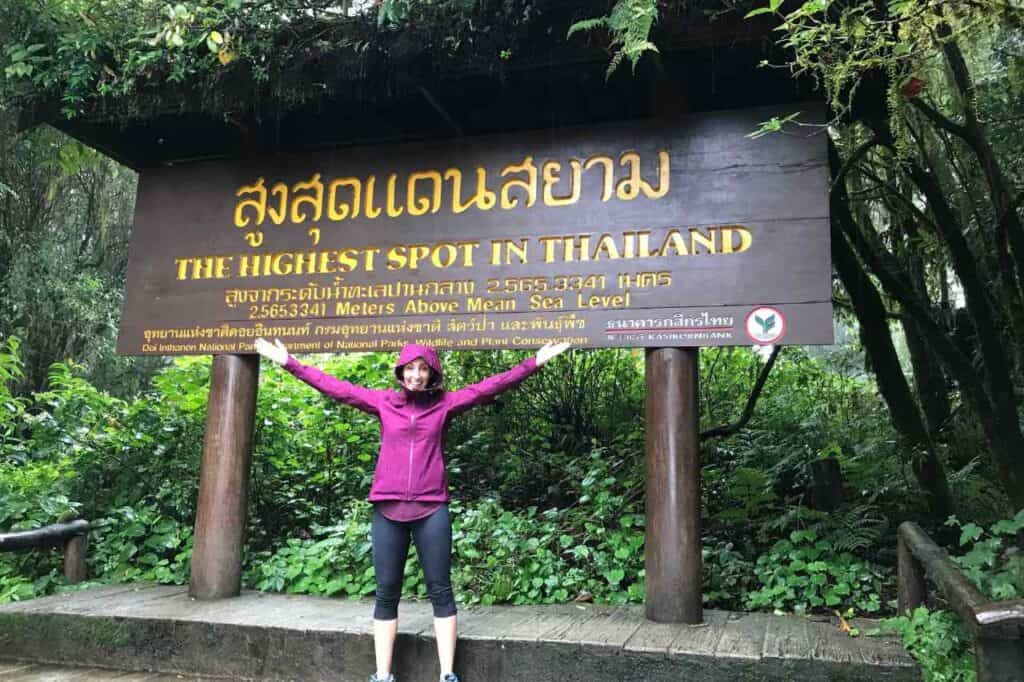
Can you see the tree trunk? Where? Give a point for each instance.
(929, 378)
(1005, 436)
(892, 384)
(991, 395)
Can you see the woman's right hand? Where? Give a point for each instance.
(277, 354)
(550, 350)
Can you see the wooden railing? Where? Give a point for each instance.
(997, 627)
(71, 535)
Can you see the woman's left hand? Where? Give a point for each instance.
(275, 352)
(550, 350)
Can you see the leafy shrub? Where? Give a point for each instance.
(338, 560)
(726, 574)
(593, 549)
(939, 643)
(807, 411)
(531, 447)
(13, 585)
(34, 494)
(995, 561)
(12, 408)
(804, 573)
(311, 455)
(140, 544)
(533, 557)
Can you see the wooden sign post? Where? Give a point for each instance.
(672, 555)
(224, 477)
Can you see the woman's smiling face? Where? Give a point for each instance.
(416, 375)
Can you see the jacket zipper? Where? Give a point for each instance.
(408, 485)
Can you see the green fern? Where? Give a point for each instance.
(850, 528)
(964, 473)
(630, 23)
(856, 528)
(795, 517)
(589, 25)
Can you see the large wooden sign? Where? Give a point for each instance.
(687, 233)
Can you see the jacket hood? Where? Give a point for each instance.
(412, 351)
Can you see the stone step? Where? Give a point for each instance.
(262, 636)
(14, 671)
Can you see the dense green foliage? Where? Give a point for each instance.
(132, 466)
(65, 215)
(994, 561)
(804, 571)
(939, 642)
(131, 59)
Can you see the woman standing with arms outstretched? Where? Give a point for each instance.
(410, 485)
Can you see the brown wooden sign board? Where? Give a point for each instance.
(682, 233)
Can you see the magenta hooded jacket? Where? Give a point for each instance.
(411, 461)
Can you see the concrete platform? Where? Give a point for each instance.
(261, 636)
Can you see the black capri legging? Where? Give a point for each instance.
(433, 538)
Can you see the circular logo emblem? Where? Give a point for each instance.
(765, 325)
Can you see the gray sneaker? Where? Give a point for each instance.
(389, 678)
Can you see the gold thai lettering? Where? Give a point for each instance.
(316, 200)
(339, 211)
(483, 198)
(528, 186)
(472, 323)
(551, 172)
(393, 211)
(421, 205)
(608, 174)
(280, 212)
(259, 206)
(371, 210)
(631, 186)
(350, 197)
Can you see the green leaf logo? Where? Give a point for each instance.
(765, 325)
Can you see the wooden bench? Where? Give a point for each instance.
(997, 627)
(71, 535)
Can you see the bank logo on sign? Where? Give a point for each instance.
(765, 325)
